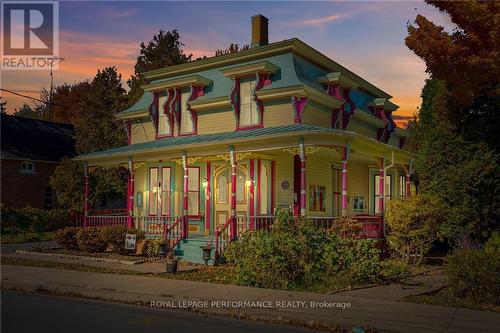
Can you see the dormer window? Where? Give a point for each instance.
(186, 126)
(170, 109)
(249, 114)
(164, 127)
(247, 80)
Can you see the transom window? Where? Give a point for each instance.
(249, 115)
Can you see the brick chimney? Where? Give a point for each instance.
(259, 31)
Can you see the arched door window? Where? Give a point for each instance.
(264, 190)
(240, 188)
(222, 188)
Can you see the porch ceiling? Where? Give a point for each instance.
(260, 139)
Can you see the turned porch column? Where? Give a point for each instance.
(251, 190)
(185, 193)
(345, 158)
(381, 185)
(86, 204)
(208, 197)
(232, 159)
(302, 156)
(130, 195)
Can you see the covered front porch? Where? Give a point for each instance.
(225, 188)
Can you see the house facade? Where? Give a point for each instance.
(31, 150)
(240, 135)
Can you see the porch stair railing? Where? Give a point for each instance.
(176, 232)
(224, 234)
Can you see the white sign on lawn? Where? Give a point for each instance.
(130, 241)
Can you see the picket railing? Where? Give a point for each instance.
(105, 221)
(154, 226)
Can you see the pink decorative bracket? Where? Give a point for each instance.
(299, 104)
(334, 91)
(348, 109)
(196, 91)
(235, 100)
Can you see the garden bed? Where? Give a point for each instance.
(103, 257)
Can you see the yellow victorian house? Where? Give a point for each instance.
(217, 145)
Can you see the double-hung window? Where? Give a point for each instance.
(159, 191)
(387, 191)
(249, 115)
(193, 191)
(402, 186)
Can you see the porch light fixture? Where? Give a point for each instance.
(155, 189)
(204, 182)
(249, 181)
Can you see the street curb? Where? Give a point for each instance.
(125, 297)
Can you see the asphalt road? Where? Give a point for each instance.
(40, 313)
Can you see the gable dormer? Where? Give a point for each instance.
(247, 80)
(170, 111)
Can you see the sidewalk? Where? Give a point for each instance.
(386, 316)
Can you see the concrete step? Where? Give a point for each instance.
(190, 249)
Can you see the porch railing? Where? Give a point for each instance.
(154, 226)
(151, 225)
(106, 221)
(108, 212)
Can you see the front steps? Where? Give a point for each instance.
(189, 249)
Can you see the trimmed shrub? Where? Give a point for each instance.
(115, 236)
(90, 240)
(412, 225)
(295, 254)
(67, 238)
(475, 274)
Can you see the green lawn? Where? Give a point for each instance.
(28, 237)
(445, 298)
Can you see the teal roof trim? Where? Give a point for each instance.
(205, 138)
(142, 104)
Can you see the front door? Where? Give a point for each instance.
(223, 194)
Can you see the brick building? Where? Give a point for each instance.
(31, 150)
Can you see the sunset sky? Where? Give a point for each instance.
(366, 37)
